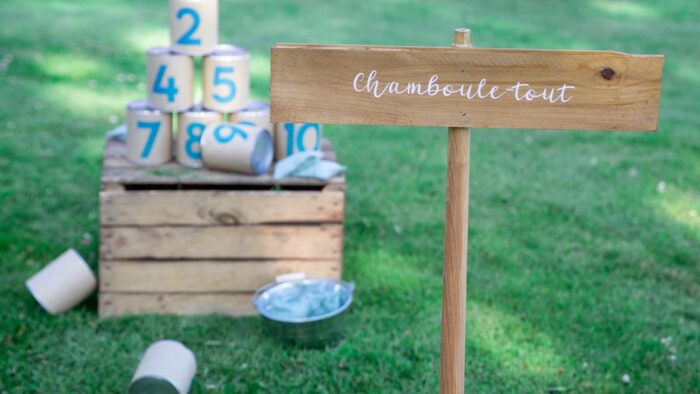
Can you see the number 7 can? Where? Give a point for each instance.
(148, 134)
(226, 79)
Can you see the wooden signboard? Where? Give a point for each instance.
(461, 87)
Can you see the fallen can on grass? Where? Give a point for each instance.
(167, 367)
(309, 312)
(63, 283)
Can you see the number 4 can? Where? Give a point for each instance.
(170, 78)
(148, 134)
(194, 26)
(226, 79)
(190, 126)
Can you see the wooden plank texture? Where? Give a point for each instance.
(195, 207)
(223, 242)
(118, 170)
(205, 276)
(232, 304)
(329, 84)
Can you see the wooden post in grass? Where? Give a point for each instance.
(454, 275)
(458, 88)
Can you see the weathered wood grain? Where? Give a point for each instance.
(197, 207)
(205, 276)
(222, 242)
(613, 91)
(232, 304)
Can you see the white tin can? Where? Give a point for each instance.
(226, 79)
(170, 80)
(194, 26)
(291, 138)
(63, 283)
(167, 366)
(190, 126)
(237, 147)
(148, 134)
(257, 113)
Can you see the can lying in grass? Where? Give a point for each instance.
(167, 367)
(308, 312)
(238, 147)
(63, 283)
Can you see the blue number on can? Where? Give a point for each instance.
(289, 127)
(153, 127)
(186, 38)
(194, 133)
(233, 132)
(170, 89)
(219, 79)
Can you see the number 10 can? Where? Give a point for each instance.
(226, 79)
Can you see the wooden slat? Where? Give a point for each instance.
(232, 242)
(205, 276)
(196, 207)
(613, 91)
(116, 169)
(232, 304)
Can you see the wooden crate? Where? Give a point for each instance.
(175, 240)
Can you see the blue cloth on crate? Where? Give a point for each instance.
(117, 134)
(308, 164)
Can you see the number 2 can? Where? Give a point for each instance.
(239, 147)
(194, 26)
(190, 126)
(170, 79)
(148, 134)
(226, 79)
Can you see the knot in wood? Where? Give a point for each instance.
(607, 73)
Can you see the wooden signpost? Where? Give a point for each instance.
(463, 87)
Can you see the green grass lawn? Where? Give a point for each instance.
(584, 246)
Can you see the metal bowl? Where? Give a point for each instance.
(313, 325)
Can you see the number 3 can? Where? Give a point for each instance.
(226, 79)
(190, 126)
(239, 147)
(194, 26)
(170, 78)
(148, 134)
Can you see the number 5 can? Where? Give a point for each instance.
(170, 79)
(148, 134)
(194, 26)
(239, 147)
(226, 79)
(190, 126)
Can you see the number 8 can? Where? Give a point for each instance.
(226, 79)
(190, 126)
(194, 26)
(148, 134)
(170, 79)
(239, 147)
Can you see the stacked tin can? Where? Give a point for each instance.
(225, 131)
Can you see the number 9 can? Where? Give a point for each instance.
(226, 79)
(291, 138)
(148, 134)
(194, 26)
(190, 126)
(170, 79)
(238, 147)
